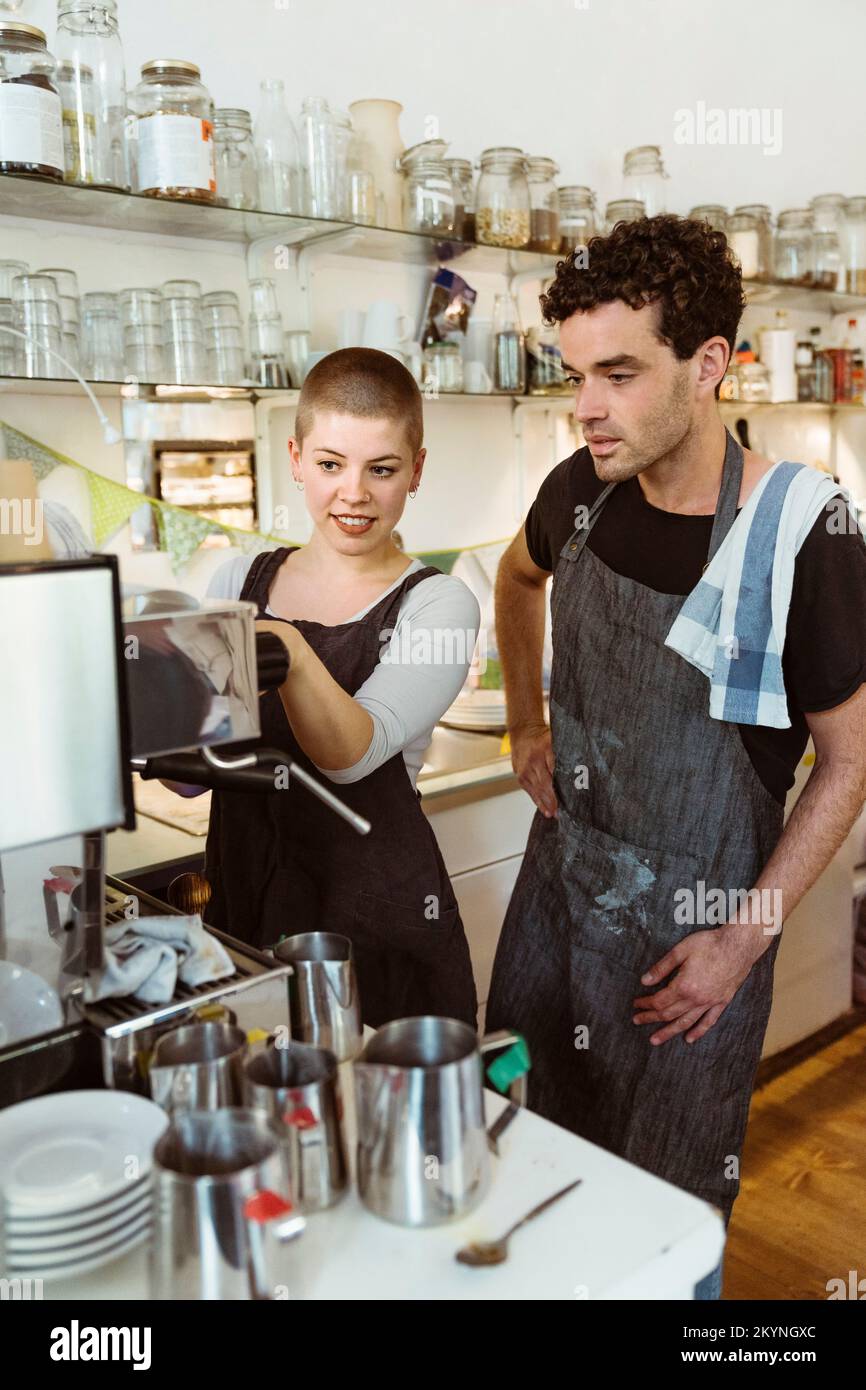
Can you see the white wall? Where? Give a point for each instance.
(582, 80)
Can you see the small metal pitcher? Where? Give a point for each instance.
(198, 1067)
(324, 1007)
(223, 1222)
(423, 1155)
(297, 1087)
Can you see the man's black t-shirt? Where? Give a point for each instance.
(824, 659)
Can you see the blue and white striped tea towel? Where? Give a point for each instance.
(732, 625)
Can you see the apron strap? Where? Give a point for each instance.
(578, 538)
(729, 494)
(262, 573)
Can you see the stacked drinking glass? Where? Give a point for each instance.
(67, 291)
(101, 336)
(224, 338)
(141, 318)
(36, 313)
(266, 335)
(8, 342)
(183, 341)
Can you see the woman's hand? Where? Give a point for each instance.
(289, 635)
(533, 763)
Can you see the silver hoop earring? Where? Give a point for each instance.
(299, 486)
(413, 492)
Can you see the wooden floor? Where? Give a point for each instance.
(800, 1218)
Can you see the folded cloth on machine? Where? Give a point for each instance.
(732, 625)
(146, 956)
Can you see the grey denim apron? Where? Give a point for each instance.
(654, 797)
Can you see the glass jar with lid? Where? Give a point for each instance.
(428, 189)
(88, 40)
(828, 271)
(793, 247)
(751, 240)
(622, 210)
(463, 180)
(644, 178)
(174, 125)
(577, 217)
(854, 245)
(544, 232)
(31, 118)
(502, 199)
(712, 213)
(235, 157)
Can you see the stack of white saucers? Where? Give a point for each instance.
(479, 710)
(75, 1173)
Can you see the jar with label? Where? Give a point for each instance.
(577, 217)
(443, 367)
(752, 251)
(643, 178)
(31, 119)
(827, 212)
(463, 180)
(174, 122)
(793, 247)
(622, 210)
(428, 189)
(502, 201)
(89, 48)
(713, 214)
(854, 245)
(544, 232)
(235, 157)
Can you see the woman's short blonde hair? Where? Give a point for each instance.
(364, 382)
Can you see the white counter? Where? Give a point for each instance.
(623, 1234)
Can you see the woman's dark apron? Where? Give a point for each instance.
(654, 797)
(281, 863)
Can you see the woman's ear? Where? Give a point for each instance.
(418, 469)
(295, 458)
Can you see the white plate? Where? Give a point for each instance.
(53, 1242)
(19, 1224)
(27, 1004)
(63, 1269)
(63, 1152)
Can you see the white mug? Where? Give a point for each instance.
(384, 325)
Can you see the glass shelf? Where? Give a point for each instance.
(161, 391)
(132, 212)
(777, 295)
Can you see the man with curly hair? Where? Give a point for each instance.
(644, 1014)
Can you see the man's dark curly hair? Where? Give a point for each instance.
(682, 265)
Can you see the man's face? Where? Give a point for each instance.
(633, 398)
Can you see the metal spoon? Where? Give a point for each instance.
(494, 1252)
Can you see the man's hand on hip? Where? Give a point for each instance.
(532, 760)
(710, 967)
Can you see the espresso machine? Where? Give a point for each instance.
(96, 685)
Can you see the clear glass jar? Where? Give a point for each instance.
(78, 99)
(318, 158)
(174, 123)
(502, 200)
(754, 380)
(544, 229)
(544, 374)
(235, 156)
(744, 239)
(793, 247)
(827, 213)
(88, 38)
(342, 143)
(854, 245)
(278, 159)
(463, 180)
(713, 213)
(577, 217)
(428, 198)
(643, 178)
(759, 250)
(622, 210)
(443, 367)
(509, 351)
(31, 118)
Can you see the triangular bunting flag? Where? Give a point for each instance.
(182, 533)
(20, 446)
(111, 506)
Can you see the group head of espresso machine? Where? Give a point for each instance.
(98, 684)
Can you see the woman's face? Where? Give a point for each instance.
(356, 475)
